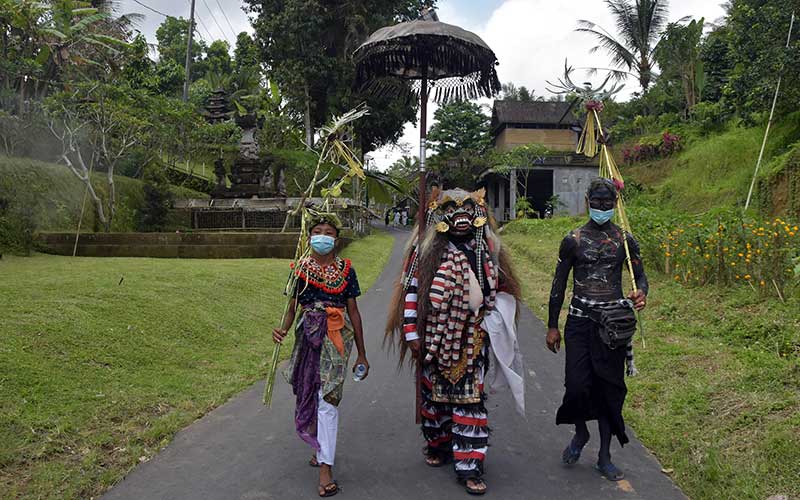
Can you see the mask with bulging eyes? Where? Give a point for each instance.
(459, 217)
(458, 212)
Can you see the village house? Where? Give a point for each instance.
(559, 178)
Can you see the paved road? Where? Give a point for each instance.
(244, 451)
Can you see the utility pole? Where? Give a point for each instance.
(189, 55)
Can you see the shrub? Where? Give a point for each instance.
(723, 249)
(152, 216)
(652, 148)
(16, 227)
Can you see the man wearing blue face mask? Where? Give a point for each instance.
(594, 368)
(324, 301)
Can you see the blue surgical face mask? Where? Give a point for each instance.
(601, 216)
(322, 243)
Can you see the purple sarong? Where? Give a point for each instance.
(305, 377)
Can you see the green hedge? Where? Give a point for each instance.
(47, 197)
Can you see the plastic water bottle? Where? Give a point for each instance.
(358, 374)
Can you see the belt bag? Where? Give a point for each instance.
(616, 324)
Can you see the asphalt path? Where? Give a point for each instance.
(242, 450)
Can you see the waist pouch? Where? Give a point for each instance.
(616, 323)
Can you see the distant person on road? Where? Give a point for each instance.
(397, 218)
(328, 324)
(404, 218)
(455, 309)
(599, 326)
(386, 218)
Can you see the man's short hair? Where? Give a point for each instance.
(602, 188)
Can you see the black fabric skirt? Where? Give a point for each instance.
(594, 378)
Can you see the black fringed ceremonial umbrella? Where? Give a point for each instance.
(443, 61)
(440, 60)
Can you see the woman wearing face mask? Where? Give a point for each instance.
(595, 380)
(324, 301)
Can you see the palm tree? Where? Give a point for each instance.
(639, 27)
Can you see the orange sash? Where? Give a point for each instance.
(335, 325)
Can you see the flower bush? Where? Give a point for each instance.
(652, 148)
(723, 249)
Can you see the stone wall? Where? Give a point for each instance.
(219, 245)
(570, 185)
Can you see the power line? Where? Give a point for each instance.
(214, 18)
(226, 18)
(210, 38)
(152, 9)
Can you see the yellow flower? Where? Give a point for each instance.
(741, 254)
(791, 233)
(747, 277)
(763, 283)
(677, 278)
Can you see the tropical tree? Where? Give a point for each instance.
(308, 46)
(406, 167)
(639, 26)
(459, 137)
(678, 56)
(97, 125)
(511, 92)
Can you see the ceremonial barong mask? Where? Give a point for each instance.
(457, 212)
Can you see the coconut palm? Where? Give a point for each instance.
(639, 28)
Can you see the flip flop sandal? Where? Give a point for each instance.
(571, 455)
(610, 472)
(442, 461)
(329, 489)
(472, 490)
(313, 462)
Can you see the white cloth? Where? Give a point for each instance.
(475, 293)
(505, 364)
(327, 428)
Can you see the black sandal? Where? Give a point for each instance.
(329, 489)
(471, 489)
(313, 462)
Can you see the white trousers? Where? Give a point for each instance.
(327, 427)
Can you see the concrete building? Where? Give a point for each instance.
(561, 177)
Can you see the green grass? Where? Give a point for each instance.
(719, 408)
(54, 195)
(103, 360)
(712, 171)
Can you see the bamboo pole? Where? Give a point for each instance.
(769, 122)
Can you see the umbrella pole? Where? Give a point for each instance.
(422, 207)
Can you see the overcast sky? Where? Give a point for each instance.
(531, 38)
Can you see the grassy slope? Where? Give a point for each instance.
(723, 412)
(713, 171)
(98, 375)
(54, 194)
